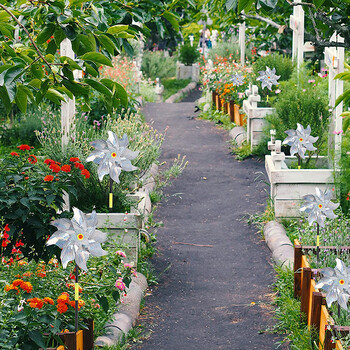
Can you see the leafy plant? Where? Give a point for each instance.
(156, 65)
(188, 55)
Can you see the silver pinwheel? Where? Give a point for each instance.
(237, 79)
(335, 282)
(300, 140)
(318, 207)
(268, 78)
(78, 238)
(112, 156)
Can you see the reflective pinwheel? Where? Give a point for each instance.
(335, 282)
(300, 140)
(319, 207)
(78, 238)
(268, 78)
(112, 156)
(237, 79)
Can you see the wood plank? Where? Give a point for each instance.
(88, 335)
(297, 268)
(317, 301)
(305, 291)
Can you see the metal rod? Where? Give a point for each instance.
(318, 244)
(110, 199)
(76, 298)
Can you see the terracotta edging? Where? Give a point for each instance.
(125, 318)
(279, 244)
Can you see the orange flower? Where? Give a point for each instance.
(48, 178)
(55, 168)
(62, 308)
(66, 168)
(35, 303)
(74, 159)
(27, 274)
(80, 303)
(63, 298)
(48, 300)
(22, 262)
(85, 173)
(25, 147)
(14, 154)
(9, 287)
(26, 286)
(17, 282)
(41, 274)
(32, 159)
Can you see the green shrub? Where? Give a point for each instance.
(300, 102)
(283, 64)
(156, 65)
(188, 55)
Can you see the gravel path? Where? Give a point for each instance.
(205, 297)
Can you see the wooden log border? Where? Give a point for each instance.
(313, 304)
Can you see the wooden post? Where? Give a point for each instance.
(305, 292)
(297, 25)
(241, 38)
(328, 344)
(67, 108)
(334, 59)
(317, 301)
(298, 253)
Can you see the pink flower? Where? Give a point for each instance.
(241, 94)
(121, 253)
(324, 69)
(128, 266)
(277, 91)
(120, 284)
(337, 132)
(311, 81)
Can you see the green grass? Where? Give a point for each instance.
(288, 314)
(172, 86)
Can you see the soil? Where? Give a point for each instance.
(215, 271)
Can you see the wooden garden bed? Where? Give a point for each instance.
(313, 303)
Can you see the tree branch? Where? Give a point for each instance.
(260, 18)
(29, 36)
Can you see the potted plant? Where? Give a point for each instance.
(188, 67)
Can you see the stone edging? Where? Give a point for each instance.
(279, 244)
(181, 92)
(125, 318)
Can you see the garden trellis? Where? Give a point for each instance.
(297, 25)
(334, 59)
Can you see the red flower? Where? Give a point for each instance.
(32, 159)
(14, 154)
(74, 159)
(79, 166)
(66, 168)
(49, 161)
(55, 168)
(6, 228)
(26, 178)
(48, 178)
(25, 147)
(85, 173)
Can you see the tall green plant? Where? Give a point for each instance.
(156, 65)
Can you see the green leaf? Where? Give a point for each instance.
(11, 90)
(7, 29)
(24, 201)
(5, 99)
(117, 29)
(343, 76)
(59, 35)
(242, 5)
(21, 100)
(50, 58)
(76, 88)
(318, 3)
(69, 31)
(98, 58)
(107, 43)
(90, 69)
(125, 35)
(269, 3)
(98, 87)
(54, 96)
(172, 18)
(13, 73)
(37, 70)
(65, 91)
(231, 4)
(9, 49)
(346, 124)
(72, 64)
(37, 338)
(46, 33)
(104, 303)
(343, 97)
(116, 295)
(51, 47)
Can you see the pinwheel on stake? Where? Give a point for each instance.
(237, 79)
(300, 141)
(317, 208)
(335, 282)
(268, 78)
(112, 156)
(78, 238)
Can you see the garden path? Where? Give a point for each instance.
(205, 294)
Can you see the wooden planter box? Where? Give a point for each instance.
(213, 98)
(255, 121)
(218, 102)
(313, 303)
(81, 340)
(288, 186)
(124, 229)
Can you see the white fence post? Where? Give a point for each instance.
(297, 25)
(241, 37)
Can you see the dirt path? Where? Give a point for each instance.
(205, 297)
